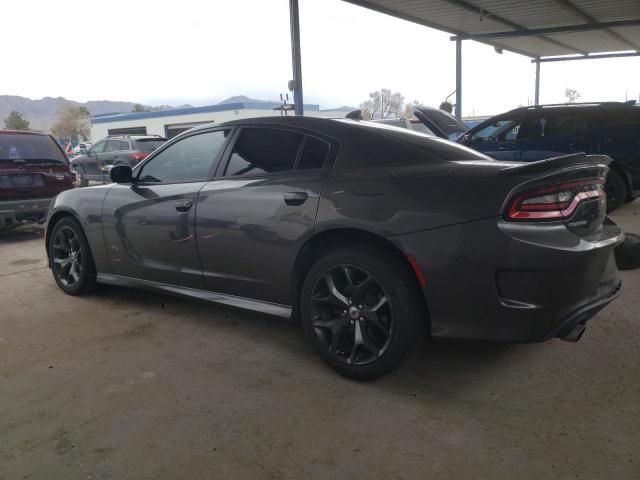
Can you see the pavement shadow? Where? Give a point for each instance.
(22, 234)
(445, 366)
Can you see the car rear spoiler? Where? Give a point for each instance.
(571, 160)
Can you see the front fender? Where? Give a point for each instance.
(85, 206)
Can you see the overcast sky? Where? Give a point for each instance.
(202, 51)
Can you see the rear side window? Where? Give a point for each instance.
(314, 153)
(124, 145)
(149, 145)
(112, 146)
(32, 149)
(263, 150)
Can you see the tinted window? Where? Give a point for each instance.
(264, 150)
(554, 124)
(98, 147)
(314, 153)
(112, 146)
(30, 148)
(149, 145)
(124, 145)
(188, 160)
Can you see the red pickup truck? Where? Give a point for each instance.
(33, 170)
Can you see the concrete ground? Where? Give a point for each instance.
(125, 384)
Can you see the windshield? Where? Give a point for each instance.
(33, 149)
(149, 145)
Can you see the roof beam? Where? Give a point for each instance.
(594, 56)
(578, 11)
(472, 8)
(529, 32)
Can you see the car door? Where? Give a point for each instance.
(149, 225)
(91, 163)
(254, 217)
(551, 132)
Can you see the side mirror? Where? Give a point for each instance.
(121, 174)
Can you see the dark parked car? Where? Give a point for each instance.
(33, 170)
(368, 234)
(534, 133)
(94, 164)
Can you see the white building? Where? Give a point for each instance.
(170, 123)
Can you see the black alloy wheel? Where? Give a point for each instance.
(352, 315)
(70, 256)
(361, 307)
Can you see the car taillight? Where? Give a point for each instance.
(554, 203)
(137, 156)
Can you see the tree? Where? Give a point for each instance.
(383, 104)
(572, 94)
(72, 122)
(15, 121)
(138, 107)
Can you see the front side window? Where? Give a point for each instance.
(504, 129)
(263, 150)
(98, 147)
(189, 160)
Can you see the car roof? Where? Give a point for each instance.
(135, 137)
(23, 132)
(630, 104)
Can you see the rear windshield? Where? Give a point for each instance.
(149, 145)
(33, 149)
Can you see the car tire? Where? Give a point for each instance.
(628, 253)
(616, 189)
(369, 327)
(71, 260)
(82, 181)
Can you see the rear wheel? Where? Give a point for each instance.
(361, 309)
(616, 190)
(71, 261)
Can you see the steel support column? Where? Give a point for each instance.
(294, 20)
(458, 78)
(537, 94)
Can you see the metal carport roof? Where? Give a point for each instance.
(535, 28)
(545, 30)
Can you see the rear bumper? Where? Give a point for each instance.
(21, 212)
(500, 281)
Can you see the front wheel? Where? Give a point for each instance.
(361, 309)
(71, 261)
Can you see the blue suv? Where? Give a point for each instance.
(535, 133)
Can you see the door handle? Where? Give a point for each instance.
(505, 147)
(183, 205)
(295, 198)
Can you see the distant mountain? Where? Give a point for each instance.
(42, 113)
(244, 98)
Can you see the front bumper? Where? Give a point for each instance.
(500, 281)
(21, 212)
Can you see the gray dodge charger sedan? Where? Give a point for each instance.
(373, 237)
